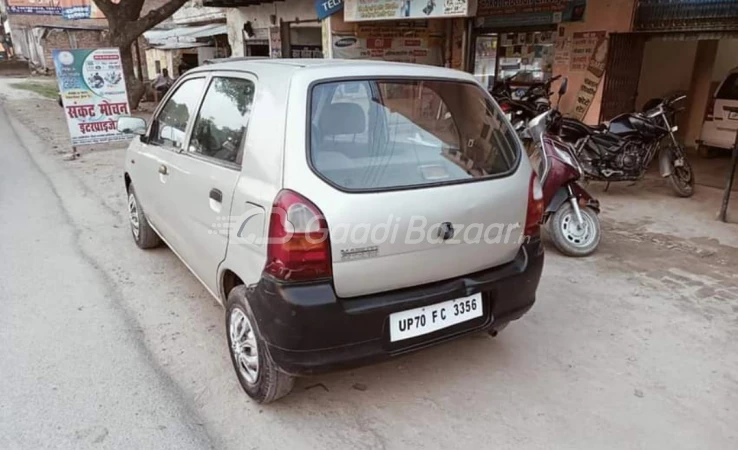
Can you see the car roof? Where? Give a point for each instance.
(321, 67)
(232, 59)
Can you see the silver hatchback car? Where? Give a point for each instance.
(343, 212)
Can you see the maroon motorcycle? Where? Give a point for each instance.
(570, 211)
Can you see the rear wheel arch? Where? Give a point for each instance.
(228, 280)
(127, 179)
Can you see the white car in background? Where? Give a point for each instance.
(721, 120)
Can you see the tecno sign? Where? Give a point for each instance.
(325, 8)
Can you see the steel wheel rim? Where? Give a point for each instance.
(133, 215)
(579, 236)
(244, 349)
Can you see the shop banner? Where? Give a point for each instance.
(326, 8)
(306, 51)
(93, 92)
(562, 52)
(592, 78)
(275, 42)
(515, 13)
(69, 9)
(38, 7)
(583, 47)
(81, 9)
(412, 50)
(360, 10)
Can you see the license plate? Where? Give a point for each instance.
(733, 115)
(427, 319)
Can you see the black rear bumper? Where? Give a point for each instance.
(309, 330)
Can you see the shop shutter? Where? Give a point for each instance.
(623, 70)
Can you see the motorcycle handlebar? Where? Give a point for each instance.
(654, 112)
(677, 99)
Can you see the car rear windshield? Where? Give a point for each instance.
(729, 89)
(377, 134)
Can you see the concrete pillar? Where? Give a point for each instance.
(699, 90)
(326, 30)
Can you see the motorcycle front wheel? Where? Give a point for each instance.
(571, 238)
(682, 178)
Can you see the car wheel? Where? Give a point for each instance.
(569, 237)
(143, 234)
(258, 374)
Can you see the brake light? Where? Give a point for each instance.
(535, 207)
(710, 113)
(505, 107)
(299, 245)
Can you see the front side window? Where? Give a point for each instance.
(223, 118)
(171, 124)
(378, 134)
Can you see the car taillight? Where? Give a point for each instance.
(505, 107)
(710, 113)
(299, 245)
(535, 207)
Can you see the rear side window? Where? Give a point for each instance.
(729, 89)
(377, 134)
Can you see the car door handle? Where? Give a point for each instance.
(163, 169)
(216, 195)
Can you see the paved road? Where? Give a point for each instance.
(100, 341)
(73, 370)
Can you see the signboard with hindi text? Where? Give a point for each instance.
(595, 70)
(523, 13)
(93, 92)
(360, 10)
(69, 9)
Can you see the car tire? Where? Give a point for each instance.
(268, 383)
(144, 236)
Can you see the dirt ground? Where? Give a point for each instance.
(633, 347)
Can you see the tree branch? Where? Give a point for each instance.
(153, 18)
(132, 8)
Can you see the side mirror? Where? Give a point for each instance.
(563, 86)
(131, 125)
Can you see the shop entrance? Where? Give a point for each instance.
(703, 66)
(303, 39)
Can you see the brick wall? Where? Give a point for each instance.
(57, 39)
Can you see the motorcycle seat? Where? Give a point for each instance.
(599, 128)
(582, 127)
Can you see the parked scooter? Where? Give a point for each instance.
(624, 149)
(570, 211)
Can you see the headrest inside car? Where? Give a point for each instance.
(342, 118)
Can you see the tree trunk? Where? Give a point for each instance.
(126, 25)
(136, 88)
